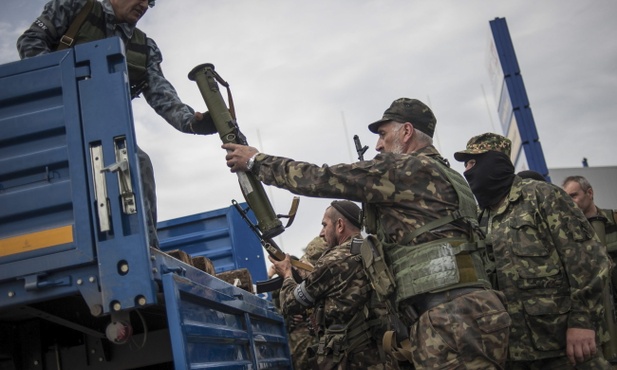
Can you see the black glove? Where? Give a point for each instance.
(205, 126)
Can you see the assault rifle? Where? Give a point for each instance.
(359, 148)
(273, 250)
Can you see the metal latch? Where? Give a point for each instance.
(125, 187)
(124, 176)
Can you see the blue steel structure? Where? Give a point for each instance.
(514, 106)
(80, 287)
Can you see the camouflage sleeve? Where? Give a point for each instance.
(296, 298)
(43, 35)
(583, 256)
(288, 303)
(162, 96)
(360, 181)
(334, 282)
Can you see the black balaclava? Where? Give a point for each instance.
(490, 178)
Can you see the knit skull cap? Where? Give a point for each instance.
(350, 211)
(482, 144)
(408, 110)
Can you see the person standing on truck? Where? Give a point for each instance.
(339, 293)
(65, 23)
(419, 213)
(547, 261)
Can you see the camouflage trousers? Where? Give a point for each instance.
(300, 340)
(560, 363)
(148, 190)
(469, 331)
(363, 359)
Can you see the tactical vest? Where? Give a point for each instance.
(433, 266)
(94, 28)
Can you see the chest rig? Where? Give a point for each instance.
(90, 25)
(402, 270)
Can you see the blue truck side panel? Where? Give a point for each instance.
(46, 183)
(75, 261)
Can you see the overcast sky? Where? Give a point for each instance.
(308, 75)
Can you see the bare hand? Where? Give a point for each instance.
(238, 156)
(199, 116)
(581, 344)
(283, 268)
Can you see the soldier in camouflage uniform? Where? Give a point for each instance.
(581, 192)
(300, 336)
(547, 261)
(424, 215)
(109, 18)
(604, 222)
(338, 290)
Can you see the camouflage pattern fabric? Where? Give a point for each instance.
(300, 339)
(485, 142)
(408, 191)
(468, 332)
(314, 250)
(558, 363)
(148, 186)
(610, 240)
(550, 267)
(610, 230)
(337, 288)
(300, 336)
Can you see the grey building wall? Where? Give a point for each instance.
(603, 180)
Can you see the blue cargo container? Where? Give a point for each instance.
(80, 287)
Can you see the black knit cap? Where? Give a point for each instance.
(350, 211)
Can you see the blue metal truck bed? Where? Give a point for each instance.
(80, 287)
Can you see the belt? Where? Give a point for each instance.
(424, 302)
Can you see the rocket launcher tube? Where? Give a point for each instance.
(229, 132)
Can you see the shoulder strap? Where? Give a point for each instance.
(67, 40)
(466, 211)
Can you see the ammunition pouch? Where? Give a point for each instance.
(376, 268)
(340, 341)
(436, 266)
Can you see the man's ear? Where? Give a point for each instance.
(408, 131)
(340, 225)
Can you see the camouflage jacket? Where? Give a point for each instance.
(338, 283)
(610, 230)
(549, 265)
(408, 190)
(44, 34)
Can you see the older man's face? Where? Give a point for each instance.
(129, 11)
(390, 140)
